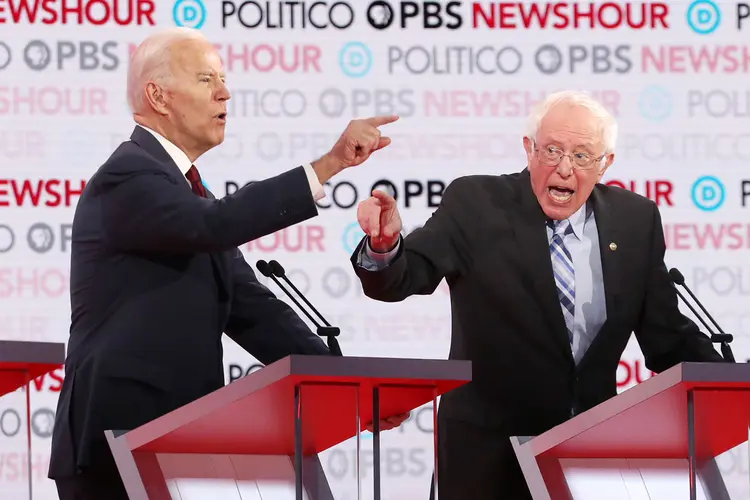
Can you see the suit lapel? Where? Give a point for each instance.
(528, 223)
(221, 262)
(607, 229)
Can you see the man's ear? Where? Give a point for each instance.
(528, 145)
(605, 163)
(156, 97)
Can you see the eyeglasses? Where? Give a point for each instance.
(551, 156)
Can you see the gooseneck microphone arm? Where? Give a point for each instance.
(273, 270)
(279, 272)
(265, 270)
(722, 337)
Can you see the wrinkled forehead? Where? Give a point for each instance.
(571, 126)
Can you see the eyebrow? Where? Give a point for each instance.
(585, 145)
(211, 74)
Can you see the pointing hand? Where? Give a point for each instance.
(359, 140)
(379, 218)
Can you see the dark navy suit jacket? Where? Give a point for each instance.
(156, 278)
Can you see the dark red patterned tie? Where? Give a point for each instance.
(195, 180)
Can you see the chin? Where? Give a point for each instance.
(216, 139)
(559, 211)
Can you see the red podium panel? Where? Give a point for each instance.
(20, 363)
(692, 412)
(269, 411)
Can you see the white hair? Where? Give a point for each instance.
(151, 61)
(607, 122)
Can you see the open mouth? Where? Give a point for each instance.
(561, 194)
(222, 116)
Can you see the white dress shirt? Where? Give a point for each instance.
(184, 164)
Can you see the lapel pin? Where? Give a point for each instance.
(613, 246)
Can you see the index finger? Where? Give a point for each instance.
(377, 121)
(385, 198)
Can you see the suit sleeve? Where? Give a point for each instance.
(424, 258)
(665, 335)
(263, 325)
(148, 210)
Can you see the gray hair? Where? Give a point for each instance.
(606, 120)
(151, 62)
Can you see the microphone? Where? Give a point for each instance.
(273, 270)
(722, 338)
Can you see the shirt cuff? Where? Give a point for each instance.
(381, 258)
(315, 187)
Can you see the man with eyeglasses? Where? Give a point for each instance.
(550, 272)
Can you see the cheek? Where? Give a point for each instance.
(539, 177)
(586, 181)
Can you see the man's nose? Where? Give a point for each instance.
(223, 93)
(565, 167)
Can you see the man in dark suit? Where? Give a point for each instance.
(156, 275)
(549, 273)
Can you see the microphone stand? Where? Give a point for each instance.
(721, 338)
(273, 270)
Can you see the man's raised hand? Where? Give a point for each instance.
(379, 218)
(359, 140)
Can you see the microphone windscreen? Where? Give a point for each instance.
(264, 268)
(276, 268)
(676, 276)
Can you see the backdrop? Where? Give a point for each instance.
(462, 76)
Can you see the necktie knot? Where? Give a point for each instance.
(560, 227)
(194, 177)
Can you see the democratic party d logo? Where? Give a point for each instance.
(189, 13)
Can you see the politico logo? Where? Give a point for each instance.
(40, 193)
(80, 12)
(286, 15)
(723, 281)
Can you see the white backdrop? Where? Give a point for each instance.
(678, 92)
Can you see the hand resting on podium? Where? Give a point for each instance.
(389, 423)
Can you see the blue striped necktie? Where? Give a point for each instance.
(562, 266)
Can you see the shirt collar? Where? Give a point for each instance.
(177, 155)
(579, 218)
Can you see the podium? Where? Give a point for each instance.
(260, 436)
(20, 363)
(661, 439)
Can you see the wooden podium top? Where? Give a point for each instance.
(19, 360)
(255, 414)
(650, 420)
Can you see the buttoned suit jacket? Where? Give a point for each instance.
(488, 240)
(156, 278)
